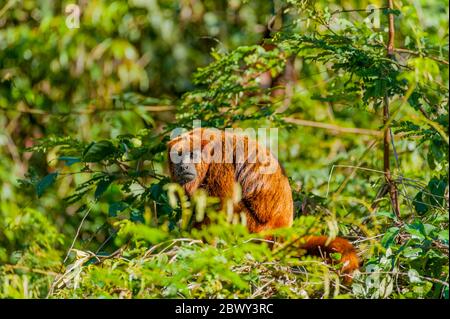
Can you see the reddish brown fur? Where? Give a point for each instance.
(266, 198)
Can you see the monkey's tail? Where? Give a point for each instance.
(322, 246)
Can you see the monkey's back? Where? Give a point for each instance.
(266, 192)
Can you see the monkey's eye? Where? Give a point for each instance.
(179, 153)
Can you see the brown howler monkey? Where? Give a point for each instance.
(216, 160)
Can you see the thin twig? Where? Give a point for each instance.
(393, 192)
(7, 6)
(88, 111)
(357, 10)
(360, 162)
(417, 53)
(333, 127)
(28, 269)
(76, 235)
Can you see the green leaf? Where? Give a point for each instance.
(155, 191)
(391, 11)
(102, 186)
(437, 188)
(389, 236)
(443, 235)
(416, 230)
(137, 216)
(45, 183)
(431, 160)
(69, 160)
(387, 214)
(436, 150)
(412, 253)
(429, 229)
(419, 205)
(336, 256)
(97, 151)
(164, 209)
(414, 276)
(358, 290)
(116, 207)
(386, 287)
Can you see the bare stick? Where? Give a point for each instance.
(332, 127)
(90, 110)
(437, 59)
(77, 234)
(393, 192)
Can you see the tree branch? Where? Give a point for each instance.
(393, 192)
(333, 127)
(417, 53)
(87, 111)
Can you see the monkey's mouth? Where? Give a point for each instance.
(186, 178)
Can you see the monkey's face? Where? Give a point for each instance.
(185, 161)
(184, 170)
(188, 159)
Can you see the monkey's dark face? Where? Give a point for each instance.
(186, 161)
(183, 164)
(185, 171)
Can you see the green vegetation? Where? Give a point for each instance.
(86, 205)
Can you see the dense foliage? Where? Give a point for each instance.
(87, 208)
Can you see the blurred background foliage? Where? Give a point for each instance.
(86, 208)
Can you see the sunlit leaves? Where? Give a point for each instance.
(106, 81)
